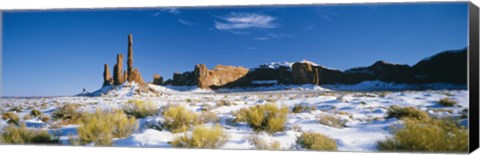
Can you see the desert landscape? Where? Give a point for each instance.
(275, 106)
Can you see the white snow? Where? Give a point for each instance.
(362, 108)
(265, 82)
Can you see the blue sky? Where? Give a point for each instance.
(60, 52)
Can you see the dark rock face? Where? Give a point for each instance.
(382, 71)
(157, 79)
(448, 66)
(183, 79)
(328, 76)
(303, 73)
(107, 78)
(118, 78)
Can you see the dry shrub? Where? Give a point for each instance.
(23, 135)
(101, 127)
(434, 135)
(44, 118)
(178, 119)
(35, 113)
(406, 112)
(332, 121)
(223, 103)
(302, 108)
(140, 108)
(447, 102)
(316, 141)
(11, 118)
(27, 117)
(261, 144)
(266, 117)
(202, 137)
(208, 117)
(206, 107)
(240, 115)
(68, 113)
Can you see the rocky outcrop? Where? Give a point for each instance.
(200, 73)
(182, 79)
(157, 79)
(448, 66)
(382, 71)
(107, 78)
(219, 76)
(118, 78)
(303, 73)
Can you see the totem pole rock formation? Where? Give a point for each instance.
(118, 78)
(121, 76)
(133, 75)
(107, 79)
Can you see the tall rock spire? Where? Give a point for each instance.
(130, 71)
(118, 78)
(107, 78)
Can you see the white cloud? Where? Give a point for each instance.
(185, 22)
(271, 36)
(174, 11)
(241, 21)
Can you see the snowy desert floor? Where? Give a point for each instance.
(363, 113)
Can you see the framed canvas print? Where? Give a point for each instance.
(360, 77)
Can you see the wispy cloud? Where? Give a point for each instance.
(174, 11)
(326, 17)
(271, 36)
(309, 27)
(185, 22)
(242, 21)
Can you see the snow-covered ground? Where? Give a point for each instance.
(363, 111)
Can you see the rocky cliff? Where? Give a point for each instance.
(219, 76)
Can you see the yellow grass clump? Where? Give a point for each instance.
(101, 127)
(202, 137)
(179, 119)
(140, 108)
(316, 141)
(23, 135)
(267, 117)
(434, 135)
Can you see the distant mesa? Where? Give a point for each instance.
(446, 67)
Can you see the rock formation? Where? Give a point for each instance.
(119, 75)
(303, 73)
(448, 66)
(133, 75)
(200, 74)
(219, 76)
(157, 79)
(107, 78)
(130, 59)
(118, 78)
